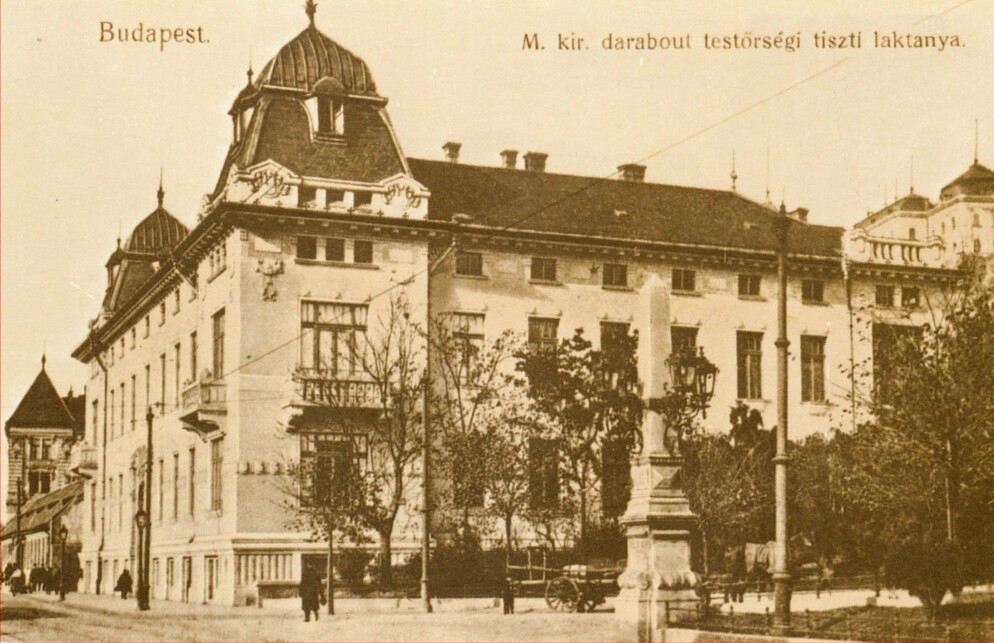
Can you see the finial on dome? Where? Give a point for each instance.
(733, 175)
(161, 194)
(310, 9)
(43, 357)
(249, 72)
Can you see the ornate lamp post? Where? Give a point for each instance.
(141, 519)
(781, 573)
(18, 450)
(63, 537)
(658, 523)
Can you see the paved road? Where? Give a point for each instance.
(41, 618)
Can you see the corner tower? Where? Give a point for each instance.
(311, 130)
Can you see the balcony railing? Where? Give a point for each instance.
(902, 252)
(350, 390)
(205, 396)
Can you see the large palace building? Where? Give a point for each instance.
(227, 330)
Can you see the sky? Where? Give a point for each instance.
(86, 126)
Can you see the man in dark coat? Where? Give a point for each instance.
(311, 592)
(508, 596)
(123, 583)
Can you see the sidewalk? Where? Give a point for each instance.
(829, 600)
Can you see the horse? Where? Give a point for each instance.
(751, 564)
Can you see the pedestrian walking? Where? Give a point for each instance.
(123, 583)
(311, 592)
(508, 596)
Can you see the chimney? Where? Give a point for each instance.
(535, 161)
(509, 158)
(632, 172)
(452, 151)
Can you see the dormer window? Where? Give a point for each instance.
(912, 234)
(329, 115)
(307, 197)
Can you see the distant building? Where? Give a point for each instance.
(229, 331)
(44, 435)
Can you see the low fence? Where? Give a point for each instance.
(848, 624)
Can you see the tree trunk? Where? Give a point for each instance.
(583, 517)
(386, 555)
(331, 572)
(507, 537)
(704, 552)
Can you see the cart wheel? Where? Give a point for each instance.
(562, 594)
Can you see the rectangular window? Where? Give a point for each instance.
(177, 373)
(615, 275)
(683, 339)
(95, 406)
(148, 387)
(469, 264)
(543, 473)
(362, 251)
(148, 325)
(46, 449)
(217, 459)
(122, 347)
(749, 285)
(176, 298)
(331, 116)
(467, 333)
(161, 487)
(162, 313)
(307, 196)
(893, 346)
(120, 501)
(111, 411)
(334, 249)
(134, 400)
(613, 335)
(542, 333)
(885, 296)
(812, 290)
(910, 297)
(543, 269)
(307, 248)
(812, 369)
(123, 410)
(162, 382)
(175, 486)
(218, 327)
(191, 482)
(134, 337)
(170, 573)
(93, 506)
(684, 280)
(750, 354)
(332, 338)
(193, 356)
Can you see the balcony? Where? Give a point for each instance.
(864, 248)
(83, 460)
(336, 390)
(204, 405)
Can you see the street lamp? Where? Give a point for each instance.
(693, 377)
(141, 519)
(63, 537)
(17, 450)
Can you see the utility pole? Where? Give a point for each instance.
(781, 573)
(146, 556)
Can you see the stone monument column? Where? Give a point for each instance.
(658, 521)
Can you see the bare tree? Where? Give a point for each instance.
(380, 397)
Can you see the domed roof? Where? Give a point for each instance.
(157, 232)
(312, 56)
(976, 180)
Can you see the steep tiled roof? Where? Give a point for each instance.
(312, 56)
(39, 511)
(281, 130)
(611, 208)
(41, 407)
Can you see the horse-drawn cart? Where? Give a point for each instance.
(571, 588)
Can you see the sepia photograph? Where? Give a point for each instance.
(507, 320)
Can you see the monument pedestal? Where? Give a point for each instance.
(658, 586)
